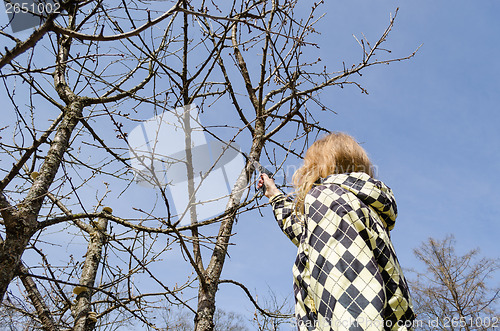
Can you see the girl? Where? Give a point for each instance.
(346, 274)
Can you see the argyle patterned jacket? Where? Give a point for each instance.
(346, 274)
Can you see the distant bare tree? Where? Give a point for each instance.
(279, 314)
(181, 320)
(454, 292)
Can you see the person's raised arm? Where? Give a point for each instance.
(284, 210)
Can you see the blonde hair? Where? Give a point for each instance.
(335, 153)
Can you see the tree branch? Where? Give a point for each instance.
(82, 36)
(37, 300)
(14, 171)
(32, 40)
(249, 295)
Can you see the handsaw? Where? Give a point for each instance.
(260, 168)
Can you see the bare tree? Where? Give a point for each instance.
(114, 65)
(454, 293)
(181, 320)
(278, 316)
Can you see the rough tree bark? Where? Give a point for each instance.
(85, 319)
(21, 221)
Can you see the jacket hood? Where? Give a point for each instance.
(371, 192)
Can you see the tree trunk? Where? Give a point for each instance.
(21, 222)
(12, 249)
(85, 319)
(206, 296)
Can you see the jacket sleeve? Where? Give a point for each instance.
(289, 222)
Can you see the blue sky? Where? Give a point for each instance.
(430, 125)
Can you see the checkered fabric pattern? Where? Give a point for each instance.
(346, 274)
